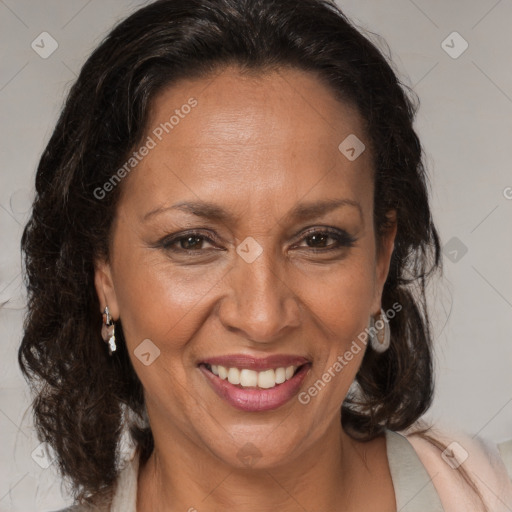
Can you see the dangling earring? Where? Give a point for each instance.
(108, 331)
(380, 333)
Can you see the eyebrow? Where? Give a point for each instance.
(300, 212)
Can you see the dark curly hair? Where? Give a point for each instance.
(80, 392)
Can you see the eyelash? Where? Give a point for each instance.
(342, 238)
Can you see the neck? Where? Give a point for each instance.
(180, 475)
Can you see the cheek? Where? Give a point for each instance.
(341, 307)
(161, 301)
(341, 299)
(167, 305)
(340, 303)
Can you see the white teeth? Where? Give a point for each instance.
(234, 376)
(250, 378)
(280, 375)
(267, 379)
(223, 373)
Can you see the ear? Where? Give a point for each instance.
(105, 289)
(384, 259)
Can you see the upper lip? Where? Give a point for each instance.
(242, 361)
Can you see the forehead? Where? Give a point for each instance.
(249, 138)
(254, 109)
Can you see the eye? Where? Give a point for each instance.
(318, 240)
(192, 242)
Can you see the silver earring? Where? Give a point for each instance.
(380, 333)
(108, 331)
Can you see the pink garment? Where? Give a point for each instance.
(482, 463)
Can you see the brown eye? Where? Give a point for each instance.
(319, 239)
(188, 242)
(191, 242)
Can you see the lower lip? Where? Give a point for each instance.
(256, 400)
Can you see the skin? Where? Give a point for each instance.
(256, 146)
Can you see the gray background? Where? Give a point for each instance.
(465, 123)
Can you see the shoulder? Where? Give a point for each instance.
(464, 470)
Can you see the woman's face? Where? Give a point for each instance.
(245, 233)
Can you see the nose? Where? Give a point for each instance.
(261, 305)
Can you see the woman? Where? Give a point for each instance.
(227, 262)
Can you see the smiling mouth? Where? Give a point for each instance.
(256, 384)
(245, 378)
